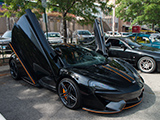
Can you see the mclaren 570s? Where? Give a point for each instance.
(81, 77)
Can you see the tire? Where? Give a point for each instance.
(69, 93)
(147, 64)
(14, 70)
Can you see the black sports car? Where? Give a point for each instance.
(147, 59)
(81, 77)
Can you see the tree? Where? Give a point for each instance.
(18, 7)
(83, 8)
(139, 11)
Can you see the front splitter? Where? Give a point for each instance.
(115, 105)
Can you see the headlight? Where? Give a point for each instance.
(100, 86)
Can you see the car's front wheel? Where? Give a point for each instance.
(147, 64)
(69, 93)
(14, 70)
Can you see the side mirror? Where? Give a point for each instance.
(124, 47)
(58, 51)
(108, 45)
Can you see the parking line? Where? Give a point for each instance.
(1, 117)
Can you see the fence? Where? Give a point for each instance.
(5, 52)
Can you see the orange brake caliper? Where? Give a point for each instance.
(64, 94)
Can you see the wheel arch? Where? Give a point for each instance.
(65, 76)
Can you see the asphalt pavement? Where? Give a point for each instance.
(22, 101)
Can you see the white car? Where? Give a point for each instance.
(5, 39)
(80, 35)
(54, 37)
(110, 33)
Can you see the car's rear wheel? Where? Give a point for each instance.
(147, 64)
(14, 70)
(69, 93)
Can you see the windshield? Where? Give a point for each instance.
(80, 56)
(84, 32)
(111, 33)
(156, 39)
(54, 35)
(132, 43)
(7, 34)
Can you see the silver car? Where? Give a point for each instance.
(54, 37)
(81, 35)
(5, 39)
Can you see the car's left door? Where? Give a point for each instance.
(33, 50)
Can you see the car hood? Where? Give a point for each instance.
(149, 50)
(116, 72)
(54, 39)
(86, 36)
(156, 43)
(5, 40)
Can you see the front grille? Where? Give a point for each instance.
(118, 97)
(89, 38)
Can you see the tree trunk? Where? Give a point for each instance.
(152, 26)
(65, 29)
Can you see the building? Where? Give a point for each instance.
(120, 25)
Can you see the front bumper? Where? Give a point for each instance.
(158, 66)
(117, 106)
(114, 107)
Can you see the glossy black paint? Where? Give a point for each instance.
(133, 53)
(107, 86)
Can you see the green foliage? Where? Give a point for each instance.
(18, 7)
(139, 11)
(86, 9)
(83, 8)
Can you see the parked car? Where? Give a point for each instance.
(81, 77)
(110, 33)
(124, 34)
(82, 35)
(147, 59)
(4, 40)
(154, 35)
(54, 37)
(145, 40)
(7, 34)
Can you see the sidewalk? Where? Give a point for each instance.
(4, 69)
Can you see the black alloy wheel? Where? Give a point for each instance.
(147, 64)
(69, 93)
(14, 70)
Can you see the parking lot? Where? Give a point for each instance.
(21, 101)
